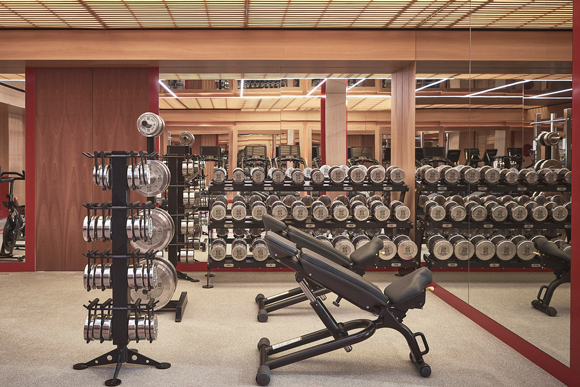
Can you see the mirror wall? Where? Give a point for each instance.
(12, 159)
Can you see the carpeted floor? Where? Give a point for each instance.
(41, 323)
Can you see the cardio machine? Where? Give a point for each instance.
(390, 306)
(14, 226)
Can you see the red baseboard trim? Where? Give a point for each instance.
(529, 351)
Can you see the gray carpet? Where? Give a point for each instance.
(41, 323)
(506, 298)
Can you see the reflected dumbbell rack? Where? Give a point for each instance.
(111, 319)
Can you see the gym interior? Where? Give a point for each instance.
(244, 193)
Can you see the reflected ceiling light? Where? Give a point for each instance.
(499, 87)
(241, 88)
(554, 92)
(432, 84)
(167, 88)
(317, 86)
(356, 84)
(12, 80)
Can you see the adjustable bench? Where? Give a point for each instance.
(390, 305)
(551, 257)
(360, 260)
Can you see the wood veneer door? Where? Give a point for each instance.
(64, 124)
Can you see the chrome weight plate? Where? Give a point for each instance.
(186, 138)
(162, 233)
(150, 124)
(160, 178)
(165, 287)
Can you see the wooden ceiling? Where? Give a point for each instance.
(377, 14)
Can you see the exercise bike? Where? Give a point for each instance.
(14, 227)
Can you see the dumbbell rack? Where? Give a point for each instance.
(269, 187)
(120, 256)
(424, 224)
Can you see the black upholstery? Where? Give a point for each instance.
(550, 248)
(342, 281)
(366, 252)
(282, 250)
(305, 240)
(409, 286)
(273, 224)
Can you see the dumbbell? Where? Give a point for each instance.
(288, 200)
(258, 209)
(395, 175)
(524, 248)
(496, 211)
(218, 208)
(448, 174)
(359, 210)
(240, 232)
(380, 212)
(356, 174)
(476, 211)
(325, 169)
(563, 245)
(556, 212)
(339, 209)
(373, 232)
(239, 249)
(324, 239)
(279, 210)
(190, 168)
(315, 175)
(276, 175)
(360, 240)
(218, 249)
(191, 197)
(528, 176)
(271, 200)
(295, 175)
(462, 248)
(484, 249)
(238, 175)
(259, 249)
(299, 211)
(428, 174)
(399, 211)
(239, 210)
(489, 175)
(191, 227)
(440, 247)
(406, 248)
(536, 213)
(565, 175)
(219, 175)
(455, 211)
(343, 244)
(307, 200)
(509, 176)
(326, 200)
(504, 248)
(516, 212)
(257, 175)
(558, 199)
(433, 210)
(336, 174)
(389, 249)
(468, 174)
(548, 176)
(376, 174)
(319, 211)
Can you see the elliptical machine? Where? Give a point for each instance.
(14, 226)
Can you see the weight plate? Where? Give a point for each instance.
(186, 138)
(162, 234)
(166, 284)
(552, 164)
(160, 176)
(150, 124)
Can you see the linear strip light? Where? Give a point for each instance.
(432, 84)
(167, 88)
(499, 87)
(554, 92)
(317, 86)
(356, 84)
(12, 80)
(241, 88)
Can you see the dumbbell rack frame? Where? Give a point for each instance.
(423, 224)
(271, 188)
(120, 263)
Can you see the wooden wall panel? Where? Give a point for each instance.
(79, 110)
(64, 125)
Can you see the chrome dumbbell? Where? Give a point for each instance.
(468, 174)
(484, 249)
(455, 211)
(359, 210)
(307, 200)
(337, 174)
(190, 168)
(276, 175)
(504, 248)
(406, 248)
(496, 211)
(218, 208)
(399, 211)
(218, 249)
(448, 174)
(389, 250)
(295, 175)
(257, 175)
(343, 244)
(509, 176)
(99, 327)
(378, 209)
(528, 176)
(258, 209)
(440, 247)
(356, 174)
(288, 200)
(315, 175)
(565, 175)
(462, 248)
(139, 227)
(279, 210)
(299, 211)
(259, 249)
(395, 175)
(489, 175)
(516, 212)
(219, 175)
(476, 211)
(376, 174)
(97, 276)
(536, 213)
(339, 209)
(360, 240)
(239, 249)
(525, 248)
(427, 174)
(557, 212)
(319, 211)
(238, 175)
(239, 210)
(548, 176)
